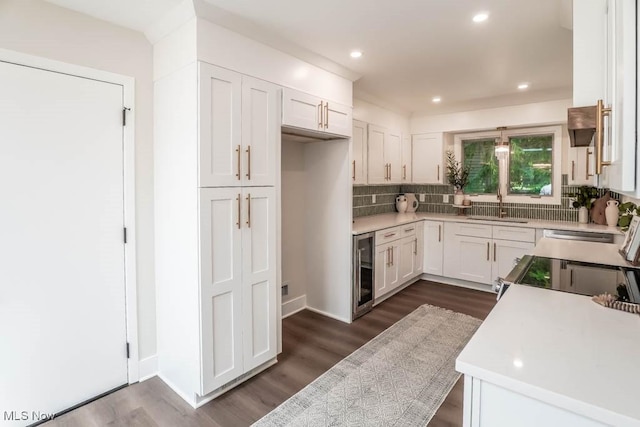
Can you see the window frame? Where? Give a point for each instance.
(503, 166)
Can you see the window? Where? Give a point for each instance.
(528, 173)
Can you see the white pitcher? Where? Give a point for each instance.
(401, 203)
(611, 213)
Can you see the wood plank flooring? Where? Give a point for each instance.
(311, 345)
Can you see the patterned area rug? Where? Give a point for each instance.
(400, 378)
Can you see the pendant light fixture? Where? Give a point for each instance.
(502, 142)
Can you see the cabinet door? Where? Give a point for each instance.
(359, 153)
(260, 131)
(300, 110)
(337, 119)
(581, 164)
(433, 247)
(392, 274)
(472, 259)
(376, 167)
(504, 254)
(406, 259)
(259, 276)
(427, 158)
(383, 258)
(220, 126)
(393, 155)
(406, 159)
(220, 287)
(419, 251)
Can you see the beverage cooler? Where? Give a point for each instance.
(363, 275)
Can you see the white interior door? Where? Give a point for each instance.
(62, 285)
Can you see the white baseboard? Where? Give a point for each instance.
(458, 282)
(293, 306)
(191, 400)
(324, 313)
(383, 298)
(148, 368)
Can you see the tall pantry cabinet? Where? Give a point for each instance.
(218, 140)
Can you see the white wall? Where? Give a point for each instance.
(371, 113)
(294, 227)
(539, 113)
(42, 29)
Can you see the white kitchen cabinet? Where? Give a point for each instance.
(304, 111)
(581, 166)
(407, 259)
(481, 253)
(237, 275)
(407, 161)
(387, 276)
(427, 158)
(384, 156)
(359, 153)
(239, 127)
(419, 251)
(433, 247)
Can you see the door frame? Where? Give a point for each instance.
(128, 134)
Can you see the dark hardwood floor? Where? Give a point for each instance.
(311, 345)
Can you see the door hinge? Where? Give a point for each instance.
(125, 234)
(124, 115)
(128, 354)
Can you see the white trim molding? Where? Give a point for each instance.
(148, 368)
(128, 134)
(293, 306)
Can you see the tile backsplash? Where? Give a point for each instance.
(386, 202)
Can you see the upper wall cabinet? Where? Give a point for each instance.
(359, 153)
(428, 158)
(308, 112)
(385, 156)
(239, 128)
(407, 159)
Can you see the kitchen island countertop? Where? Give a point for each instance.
(562, 349)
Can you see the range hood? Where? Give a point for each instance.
(581, 124)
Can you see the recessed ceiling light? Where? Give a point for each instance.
(480, 17)
(356, 53)
(523, 86)
(436, 99)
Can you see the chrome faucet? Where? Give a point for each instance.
(501, 212)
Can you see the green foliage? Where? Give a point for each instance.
(530, 163)
(584, 196)
(457, 175)
(479, 157)
(627, 211)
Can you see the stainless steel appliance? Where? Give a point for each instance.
(573, 276)
(363, 274)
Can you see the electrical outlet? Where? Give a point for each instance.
(373, 198)
(285, 288)
(445, 198)
(423, 197)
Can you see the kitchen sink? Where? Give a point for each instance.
(496, 219)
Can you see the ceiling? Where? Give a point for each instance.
(413, 49)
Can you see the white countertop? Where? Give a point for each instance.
(562, 349)
(598, 253)
(366, 224)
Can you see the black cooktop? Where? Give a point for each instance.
(577, 277)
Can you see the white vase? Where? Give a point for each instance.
(583, 215)
(401, 203)
(611, 213)
(458, 198)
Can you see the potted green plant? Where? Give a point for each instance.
(458, 177)
(583, 201)
(627, 211)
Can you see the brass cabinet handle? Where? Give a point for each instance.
(601, 113)
(404, 171)
(588, 175)
(406, 230)
(249, 210)
(438, 174)
(354, 170)
(389, 234)
(320, 113)
(388, 257)
(494, 251)
(573, 168)
(239, 209)
(415, 250)
(326, 115)
(389, 171)
(439, 233)
(488, 251)
(248, 162)
(392, 255)
(238, 151)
